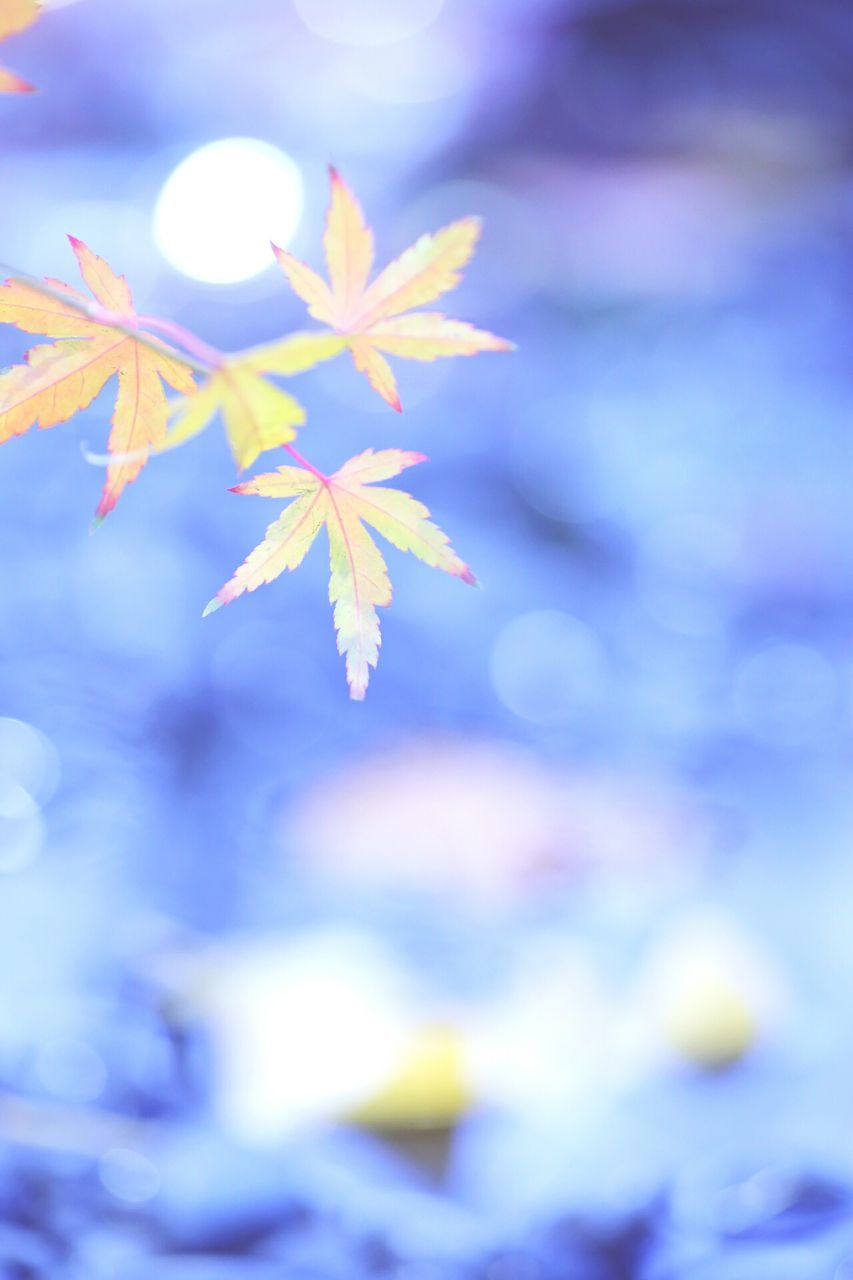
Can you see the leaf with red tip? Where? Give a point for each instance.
(15, 16)
(59, 379)
(432, 266)
(312, 289)
(379, 373)
(348, 243)
(375, 318)
(346, 503)
(428, 335)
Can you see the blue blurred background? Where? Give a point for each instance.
(537, 965)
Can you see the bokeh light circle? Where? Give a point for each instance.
(28, 758)
(786, 695)
(222, 205)
(129, 1175)
(548, 667)
(21, 827)
(71, 1069)
(368, 22)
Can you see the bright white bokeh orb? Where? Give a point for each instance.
(221, 206)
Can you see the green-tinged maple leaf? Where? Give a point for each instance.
(345, 503)
(15, 16)
(60, 378)
(257, 415)
(378, 319)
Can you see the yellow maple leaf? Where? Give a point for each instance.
(15, 16)
(345, 503)
(257, 415)
(378, 318)
(59, 379)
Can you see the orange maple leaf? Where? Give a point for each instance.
(378, 317)
(62, 377)
(345, 503)
(15, 16)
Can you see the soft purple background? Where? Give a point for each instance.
(655, 493)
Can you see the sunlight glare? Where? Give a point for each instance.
(221, 206)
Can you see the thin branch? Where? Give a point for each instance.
(303, 462)
(205, 359)
(96, 314)
(213, 357)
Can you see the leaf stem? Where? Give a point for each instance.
(189, 341)
(303, 462)
(197, 355)
(96, 314)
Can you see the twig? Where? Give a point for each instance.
(198, 354)
(96, 314)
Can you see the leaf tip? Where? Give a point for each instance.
(334, 176)
(474, 224)
(212, 606)
(468, 576)
(103, 509)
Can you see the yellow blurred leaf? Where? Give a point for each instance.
(257, 415)
(430, 1087)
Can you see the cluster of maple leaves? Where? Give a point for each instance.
(100, 336)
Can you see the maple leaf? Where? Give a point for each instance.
(378, 318)
(345, 503)
(59, 379)
(15, 16)
(257, 415)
